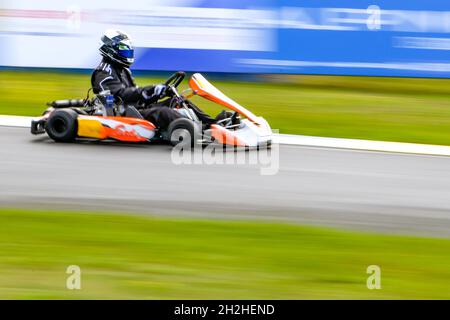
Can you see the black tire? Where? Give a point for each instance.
(183, 132)
(62, 125)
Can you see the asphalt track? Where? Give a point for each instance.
(377, 191)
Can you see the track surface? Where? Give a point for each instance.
(352, 189)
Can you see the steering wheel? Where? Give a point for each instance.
(175, 79)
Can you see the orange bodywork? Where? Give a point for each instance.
(225, 136)
(203, 88)
(119, 128)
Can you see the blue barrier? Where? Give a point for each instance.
(352, 37)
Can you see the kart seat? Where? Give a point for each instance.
(132, 112)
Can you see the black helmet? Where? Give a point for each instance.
(116, 45)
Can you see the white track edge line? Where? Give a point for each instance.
(310, 141)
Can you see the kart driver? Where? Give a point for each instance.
(113, 74)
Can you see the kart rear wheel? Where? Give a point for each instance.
(62, 125)
(183, 132)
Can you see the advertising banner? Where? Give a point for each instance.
(354, 37)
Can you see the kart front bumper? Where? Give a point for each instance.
(38, 126)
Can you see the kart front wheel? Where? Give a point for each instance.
(183, 132)
(62, 125)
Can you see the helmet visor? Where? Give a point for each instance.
(126, 51)
(129, 54)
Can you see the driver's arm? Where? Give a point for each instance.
(103, 80)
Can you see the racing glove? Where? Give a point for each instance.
(154, 93)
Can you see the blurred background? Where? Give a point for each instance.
(52, 46)
(375, 70)
(386, 38)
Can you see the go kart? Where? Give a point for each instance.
(97, 118)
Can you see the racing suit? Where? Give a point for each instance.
(119, 81)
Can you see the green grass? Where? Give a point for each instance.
(393, 109)
(156, 258)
